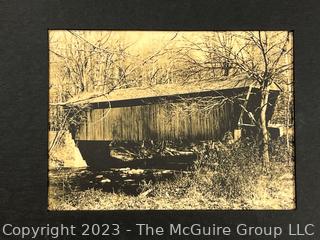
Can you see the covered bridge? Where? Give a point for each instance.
(197, 111)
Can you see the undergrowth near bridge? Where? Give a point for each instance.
(224, 176)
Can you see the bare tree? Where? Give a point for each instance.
(261, 55)
(81, 66)
(86, 65)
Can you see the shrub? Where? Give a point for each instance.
(225, 170)
(234, 168)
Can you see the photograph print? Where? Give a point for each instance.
(158, 120)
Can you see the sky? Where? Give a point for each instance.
(138, 40)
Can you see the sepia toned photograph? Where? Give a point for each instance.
(159, 120)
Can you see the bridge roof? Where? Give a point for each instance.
(163, 90)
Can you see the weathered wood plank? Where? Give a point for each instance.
(157, 121)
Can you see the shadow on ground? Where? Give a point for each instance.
(117, 175)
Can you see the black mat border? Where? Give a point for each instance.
(24, 97)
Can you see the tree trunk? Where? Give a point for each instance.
(263, 126)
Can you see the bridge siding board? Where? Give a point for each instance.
(147, 119)
(156, 121)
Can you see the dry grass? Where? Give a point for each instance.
(230, 178)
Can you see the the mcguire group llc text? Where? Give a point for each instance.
(144, 229)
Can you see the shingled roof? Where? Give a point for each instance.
(162, 90)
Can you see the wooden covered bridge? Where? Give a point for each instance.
(193, 112)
